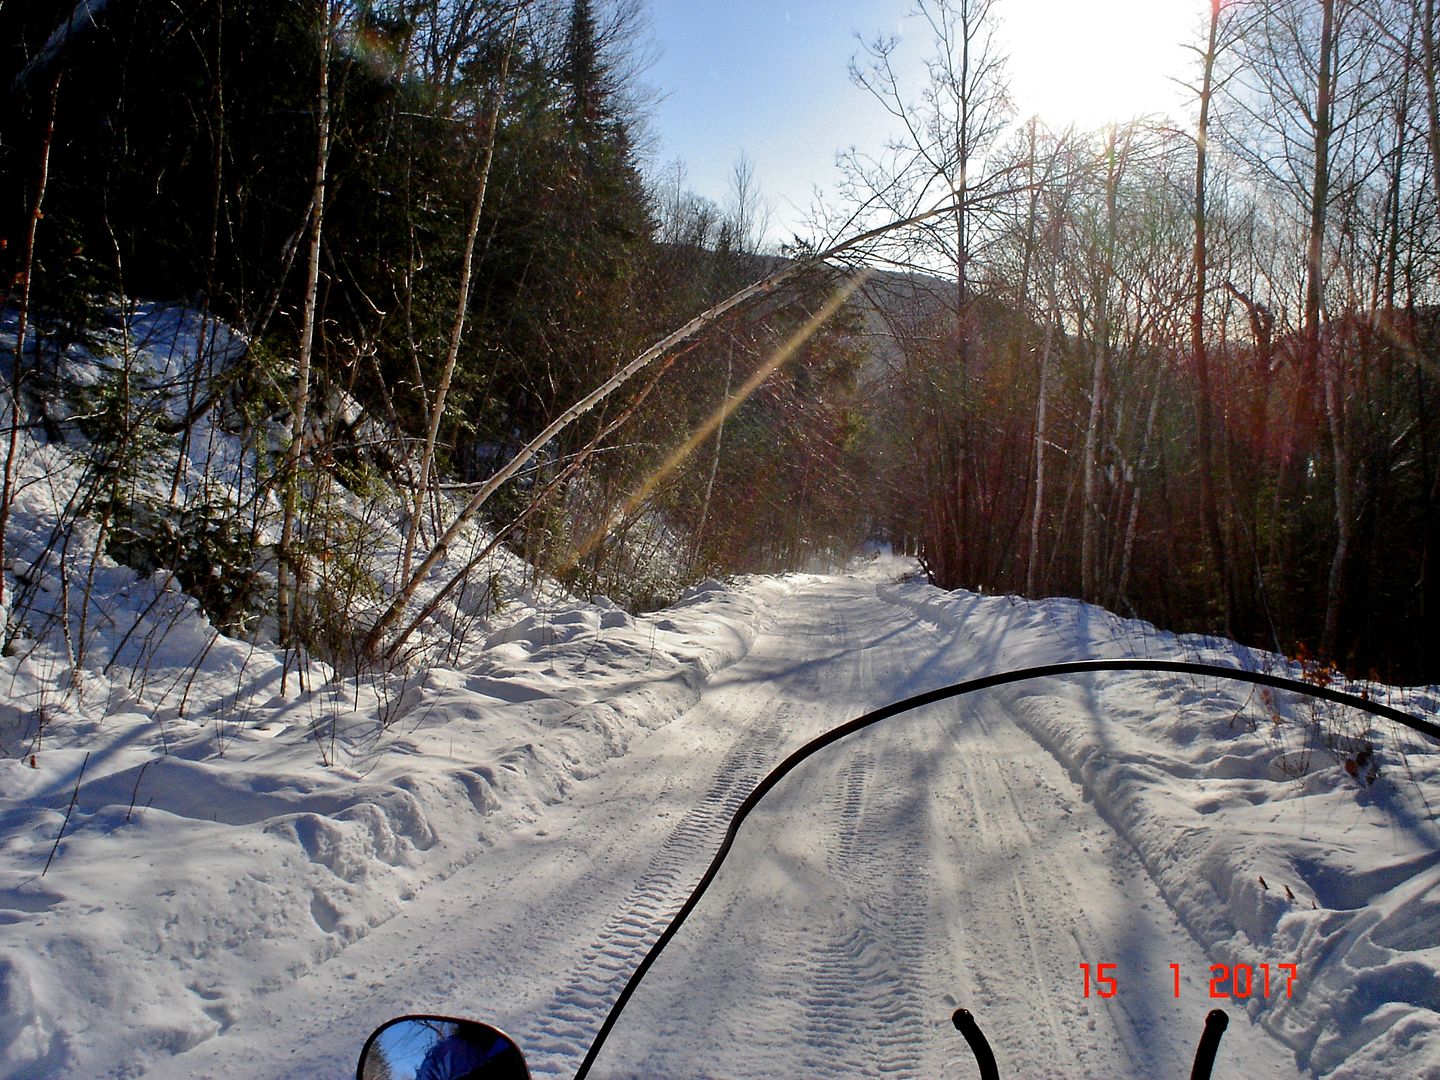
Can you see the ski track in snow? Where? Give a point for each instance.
(943, 859)
(941, 885)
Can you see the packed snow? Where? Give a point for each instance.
(507, 840)
(221, 860)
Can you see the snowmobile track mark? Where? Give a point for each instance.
(567, 1026)
(849, 803)
(865, 1012)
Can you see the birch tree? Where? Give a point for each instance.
(491, 125)
(1199, 349)
(291, 562)
(1102, 273)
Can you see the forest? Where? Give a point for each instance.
(1180, 367)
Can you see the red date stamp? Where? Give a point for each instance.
(1237, 982)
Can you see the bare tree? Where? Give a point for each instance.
(328, 13)
(462, 302)
(962, 109)
(940, 149)
(1049, 194)
(747, 209)
(1429, 65)
(1116, 156)
(1199, 350)
(27, 275)
(748, 220)
(1305, 98)
(766, 286)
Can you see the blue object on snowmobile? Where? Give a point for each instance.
(440, 1048)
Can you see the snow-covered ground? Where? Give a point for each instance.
(219, 861)
(508, 842)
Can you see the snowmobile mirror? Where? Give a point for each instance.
(440, 1048)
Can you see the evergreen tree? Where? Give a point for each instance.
(583, 73)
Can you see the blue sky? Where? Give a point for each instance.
(768, 77)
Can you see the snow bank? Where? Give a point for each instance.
(190, 819)
(225, 858)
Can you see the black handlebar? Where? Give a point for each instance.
(1215, 1024)
(966, 1025)
(1077, 667)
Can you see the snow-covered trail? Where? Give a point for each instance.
(944, 858)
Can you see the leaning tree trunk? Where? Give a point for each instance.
(764, 287)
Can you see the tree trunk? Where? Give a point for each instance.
(1204, 392)
(714, 463)
(1037, 508)
(1429, 63)
(1327, 368)
(462, 302)
(1133, 521)
(300, 402)
(1319, 188)
(17, 373)
(1335, 411)
(1090, 509)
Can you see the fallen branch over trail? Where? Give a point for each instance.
(764, 287)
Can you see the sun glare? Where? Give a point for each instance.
(777, 359)
(1089, 62)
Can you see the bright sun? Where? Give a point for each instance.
(1089, 62)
